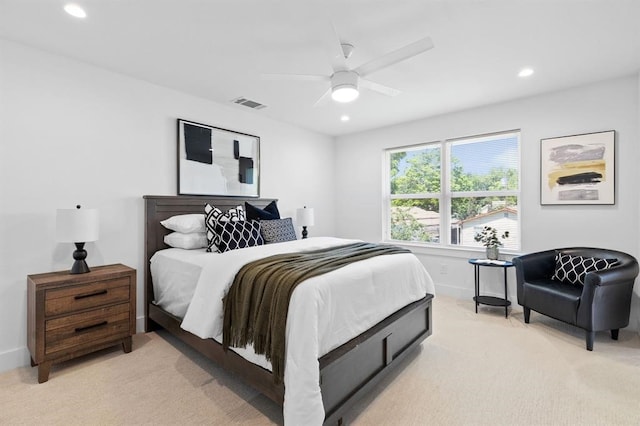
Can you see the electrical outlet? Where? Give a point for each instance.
(443, 269)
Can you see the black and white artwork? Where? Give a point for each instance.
(578, 169)
(215, 161)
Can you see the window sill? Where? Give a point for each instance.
(450, 251)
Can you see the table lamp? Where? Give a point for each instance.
(77, 226)
(305, 218)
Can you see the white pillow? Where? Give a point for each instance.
(185, 223)
(194, 240)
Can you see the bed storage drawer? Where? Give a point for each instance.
(373, 354)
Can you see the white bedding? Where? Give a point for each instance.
(175, 275)
(325, 311)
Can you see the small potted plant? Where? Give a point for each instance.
(489, 238)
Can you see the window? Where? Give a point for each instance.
(458, 185)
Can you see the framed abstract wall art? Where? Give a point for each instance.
(215, 161)
(578, 169)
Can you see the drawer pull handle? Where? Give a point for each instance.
(89, 327)
(84, 296)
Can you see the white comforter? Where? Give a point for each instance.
(324, 312)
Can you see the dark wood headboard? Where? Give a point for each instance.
(161, 207)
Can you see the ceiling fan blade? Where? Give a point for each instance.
(324, 98)
(298, 77)
(385, 90)
(333, 47)
(394, 57)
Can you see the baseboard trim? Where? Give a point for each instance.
(13, 359)
(463, 293)
(456, 292)
(140, 324)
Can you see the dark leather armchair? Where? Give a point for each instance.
(602, 303)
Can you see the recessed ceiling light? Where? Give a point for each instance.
(75, 10)
(344, 118)
(525, 72)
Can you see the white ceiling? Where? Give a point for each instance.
(217, 49)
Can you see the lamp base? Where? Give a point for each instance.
(80, 266)
(304, 232)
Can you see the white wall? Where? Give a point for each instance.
(609, 105)
(71, 133)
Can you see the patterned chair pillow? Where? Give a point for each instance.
(572, 269)
(215, 217)
(237, 235)
(278, 230)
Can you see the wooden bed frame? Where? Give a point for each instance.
(346, 373)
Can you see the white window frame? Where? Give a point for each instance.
(446, 195)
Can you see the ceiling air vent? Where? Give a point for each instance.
(248, 103)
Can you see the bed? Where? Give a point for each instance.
(346, 372)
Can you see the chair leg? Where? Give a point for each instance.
(527, 314)
(591, 335)
(614, 334)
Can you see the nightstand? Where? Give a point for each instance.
(70, 315)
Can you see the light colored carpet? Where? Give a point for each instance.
(476, 369)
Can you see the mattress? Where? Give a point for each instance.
(325, 311)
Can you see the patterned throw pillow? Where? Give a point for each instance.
(277, 231)
(216, 217)
(572, 269)
(237, 235)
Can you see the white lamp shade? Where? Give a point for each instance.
(77, 225)
(305, 217)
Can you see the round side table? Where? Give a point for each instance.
(490, 300)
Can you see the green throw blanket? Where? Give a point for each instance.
(256, 306)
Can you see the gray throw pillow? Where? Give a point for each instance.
(277, 230)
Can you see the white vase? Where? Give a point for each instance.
(493, 253)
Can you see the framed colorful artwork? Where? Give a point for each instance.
(578, 169)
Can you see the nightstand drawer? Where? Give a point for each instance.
(76, 298)
(85, 328)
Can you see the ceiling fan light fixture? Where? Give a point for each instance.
(345, 93)
(344, 86)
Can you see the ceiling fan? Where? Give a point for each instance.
(345, 82)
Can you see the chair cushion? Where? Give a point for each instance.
(572, 269)
(553, 298)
